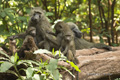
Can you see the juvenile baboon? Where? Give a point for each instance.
(29, 45)
(81, 43)
(67, 40)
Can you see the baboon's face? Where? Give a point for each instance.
(36, 14)
(59, 27)
(36, 17)
(68, 38)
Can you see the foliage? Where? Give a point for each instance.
(42, 70)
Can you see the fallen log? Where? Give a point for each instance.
(105, 65)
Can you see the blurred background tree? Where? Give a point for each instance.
(99, 20)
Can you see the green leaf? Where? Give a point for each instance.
(12, 72)
(53, 51)
(75, 66)
(22, 18)
(5, 66)
(29, 72)
(27, 61)
(56, 74)
(68, 71)
(52, 64)
(52, 67)
(3, 14)
(16, 58)
(1, 52)
(49, 14)
(12, 59)
(6, 59)
(36, 77)
(41, 51)
(0, 2)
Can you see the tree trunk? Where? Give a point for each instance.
(106, 26)
(56, 15)
(45, 4)
(101, 66)
(90, 18)
(101, 39)
(112, 18)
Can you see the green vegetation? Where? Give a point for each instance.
(102, 21)
(34, 70)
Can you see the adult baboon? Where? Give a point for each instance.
(38, 20)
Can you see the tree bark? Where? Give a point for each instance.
(90, 18)
(112, 18)
(100, 13)
(100, 66)
(106, 26)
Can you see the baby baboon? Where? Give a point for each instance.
(29, 45)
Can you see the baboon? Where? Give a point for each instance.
(67, 40)
(38, 20)
(49, 41)
(75, 29)
(42, 23)
(29, 45)
(81, 43)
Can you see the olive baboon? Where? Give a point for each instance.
(49, 41)
(66, 39)
(38, 20)
(29, 45)
(75, 29)
(83, 44)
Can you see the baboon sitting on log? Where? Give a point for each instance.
(49, 42)
(37, 20)
(67, 42)
(66, 37)
(81, 43)
(29, 45)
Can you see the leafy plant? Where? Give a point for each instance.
(42, 70)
